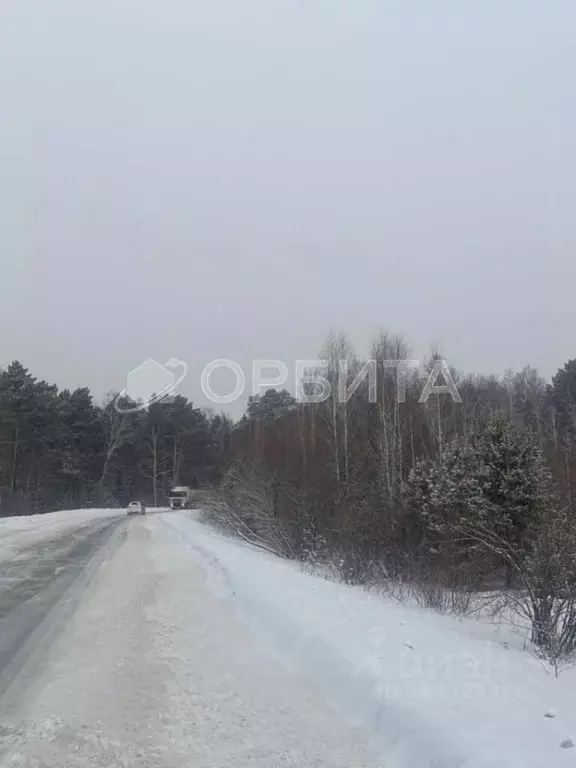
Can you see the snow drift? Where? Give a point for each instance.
(427, 689)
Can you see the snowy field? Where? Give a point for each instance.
(190, 649)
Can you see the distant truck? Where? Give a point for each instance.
(181, 497)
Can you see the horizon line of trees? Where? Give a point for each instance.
(59, 449)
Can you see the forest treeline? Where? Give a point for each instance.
(59, 449)
(452, 498)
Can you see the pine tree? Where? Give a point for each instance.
(495, 485)
(561, 397)
(516, 481)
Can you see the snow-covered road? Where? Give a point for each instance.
(191, 650)
(152, 670)
(43, 563)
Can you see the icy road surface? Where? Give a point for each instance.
(153, 670)
(43, 562)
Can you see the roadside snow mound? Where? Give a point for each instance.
(428, 691)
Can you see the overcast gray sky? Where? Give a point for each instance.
(231, 178)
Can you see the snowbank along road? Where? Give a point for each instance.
(154, 642)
